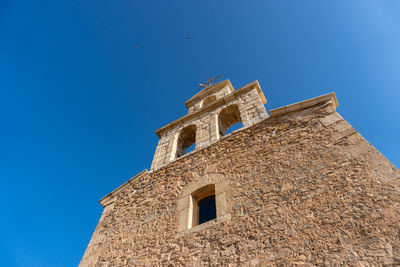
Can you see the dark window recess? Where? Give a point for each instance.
(206, 210)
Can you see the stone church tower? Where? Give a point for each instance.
(297, 187)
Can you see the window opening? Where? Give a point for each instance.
(209, 100)
(229, 117)
(206, 210)
(186, 139)
(204, 205)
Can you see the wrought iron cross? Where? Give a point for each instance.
(209, 82)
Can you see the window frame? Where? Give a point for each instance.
(198, 187)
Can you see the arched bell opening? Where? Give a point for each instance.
(186, 140)
(229, 120)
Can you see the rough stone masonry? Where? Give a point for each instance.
(297, 188)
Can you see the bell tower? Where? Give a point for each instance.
(210, 113)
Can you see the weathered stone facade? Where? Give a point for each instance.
(299, 188)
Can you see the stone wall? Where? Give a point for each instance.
(302, 188)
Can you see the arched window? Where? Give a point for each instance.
(201, 201)
(204, 205)
(186, 138)
(209, 100)
(228, 118)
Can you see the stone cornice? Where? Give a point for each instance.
(209, 91)
(110, 198)
(304, 104)
(229, 98)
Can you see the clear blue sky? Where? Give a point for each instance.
(79, 102)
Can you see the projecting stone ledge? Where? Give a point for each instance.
(305, 104)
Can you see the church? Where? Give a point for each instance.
(294, 186)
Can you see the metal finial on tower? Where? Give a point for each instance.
(209, 82)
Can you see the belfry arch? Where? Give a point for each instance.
(227, 117)
(186, 138)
